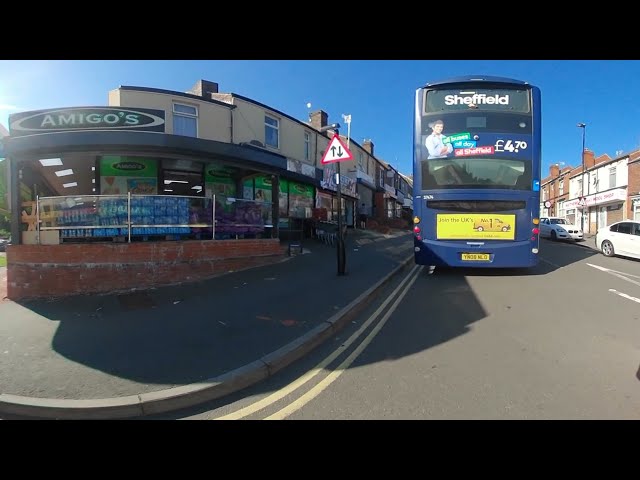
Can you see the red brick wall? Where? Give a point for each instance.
(634, 185)
(60, 270)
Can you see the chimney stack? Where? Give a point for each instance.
(319, 119)
(589, 159)
(368, 146)
(204, 88)
(554, 171)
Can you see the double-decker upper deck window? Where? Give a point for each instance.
(271, 131)
(185, 120)
(495, 100)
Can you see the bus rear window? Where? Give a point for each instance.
(471, 172)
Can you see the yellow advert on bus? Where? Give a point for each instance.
(475, 226)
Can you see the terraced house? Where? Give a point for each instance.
(605, 191)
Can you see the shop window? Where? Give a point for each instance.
(185, 120)
(271, 131)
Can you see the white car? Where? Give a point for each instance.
(620, 238)
(557, 228)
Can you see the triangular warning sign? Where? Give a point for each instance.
(337, 151)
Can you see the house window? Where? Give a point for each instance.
(185, 120)
(271, 131)
(307, 146)
(544, 195)
(612, 177)
(580, 192)
(360, 161)
(561, 187)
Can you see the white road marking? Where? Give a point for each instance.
(624, 295)
(622, 275)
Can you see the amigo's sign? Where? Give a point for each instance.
(85, 118)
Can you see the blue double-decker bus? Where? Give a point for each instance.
(476, 173)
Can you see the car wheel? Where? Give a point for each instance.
(480, 229)
(504, 229)
(554, 237)
(607, 249)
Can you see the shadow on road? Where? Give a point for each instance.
(553, 255)
(130, 343)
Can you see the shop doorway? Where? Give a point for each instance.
(602, 217)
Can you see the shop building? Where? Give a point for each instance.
(161, 187)
(554, 190)
(599, 195)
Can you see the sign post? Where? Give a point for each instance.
(338, 152)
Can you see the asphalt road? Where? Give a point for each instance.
(559, 342)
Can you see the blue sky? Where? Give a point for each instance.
(378, 94)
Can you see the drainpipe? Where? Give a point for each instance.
(231, 124)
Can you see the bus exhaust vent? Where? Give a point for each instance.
(476, 205)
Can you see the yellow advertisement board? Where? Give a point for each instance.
(475, 226)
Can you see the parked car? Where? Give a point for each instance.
(557, 228)
(3, 244)
(620, 238)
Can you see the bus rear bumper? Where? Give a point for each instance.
(489, 255)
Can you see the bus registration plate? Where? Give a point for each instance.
(475, 257)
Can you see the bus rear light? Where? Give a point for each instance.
(418, 237)
(416, 220)
(536, 231)
(416, 229)
(533, 239)
(534, 250)
(536, 221)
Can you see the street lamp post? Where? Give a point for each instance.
(583, 126)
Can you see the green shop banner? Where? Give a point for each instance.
(213, 173)
(301, 190)
(119, 175)
(117, 166)
(263, 181)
